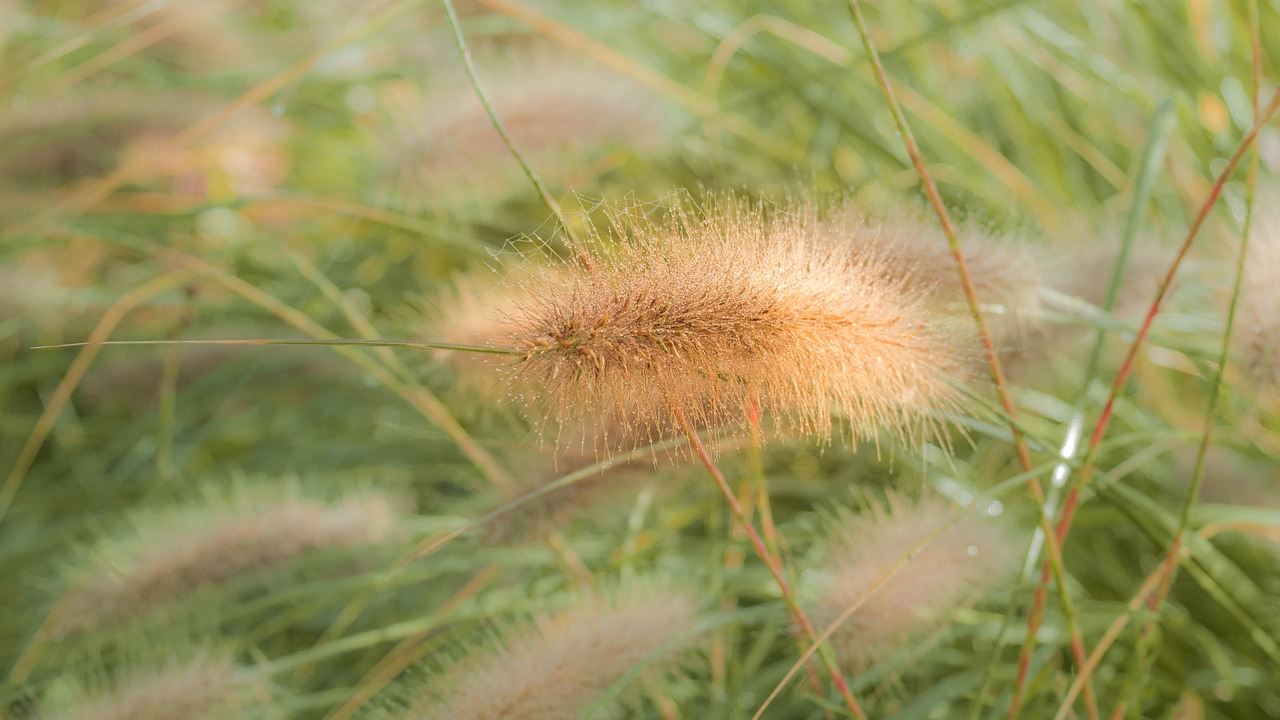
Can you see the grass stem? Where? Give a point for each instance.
(773, 564)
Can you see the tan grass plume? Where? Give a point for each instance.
(477, 309)
(966, 559)
(709, 312)
(563, 114)
(560, 667)
(172, 556)
(203, 688)
(1007, 274)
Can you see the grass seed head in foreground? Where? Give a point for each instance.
(966, 559)
(560, 668)
(706, 313)
(171, 557)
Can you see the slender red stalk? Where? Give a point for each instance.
(997, 373)
(773, 564)
(1104, 418)
(1149, 639)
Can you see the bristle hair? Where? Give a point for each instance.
(1006, 275)
(965, 559)
(174, 557)
(561, 666)
(205, 687)
(560, 112)
(707, 313)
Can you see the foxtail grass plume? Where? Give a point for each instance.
(563, 114)
(1007, 276)
(170, 557)
(207, 687)
(709, 312)
(1089, 267)
(560, 667)
(476, 310)
(968, 558)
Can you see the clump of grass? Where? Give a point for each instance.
(172, 556)
(206, 686)
(709, 313)
(561, 666)
(964, 559)
(563, 114)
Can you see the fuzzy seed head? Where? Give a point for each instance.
(968, 558)
(562, 114)
(709, 313)
(557, 669)
(172, 559)
(205, 687)
(478, 310)
(1006, 276)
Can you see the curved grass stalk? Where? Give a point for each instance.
(540, 187)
